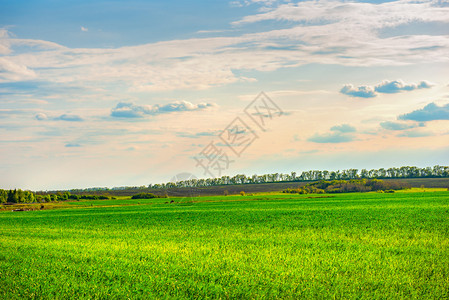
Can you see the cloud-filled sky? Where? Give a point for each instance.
(110, 93)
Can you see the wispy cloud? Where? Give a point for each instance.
(4, 47)
(333, 137)
(198, 134)
(69, 118)
(343, 128)
(366, 14)
(14, 71)
(339, 134)
(399, 126)
(430, 112)
(242, 3)
(72, 145)
(324, 32)
(415, 134)
(130, 110)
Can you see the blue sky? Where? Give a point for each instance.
(113, 93)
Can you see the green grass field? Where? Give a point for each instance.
(367, 245)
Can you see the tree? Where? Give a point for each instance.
(293, 174)
(3, 196)
(13, 196)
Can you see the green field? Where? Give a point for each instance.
(369, 245)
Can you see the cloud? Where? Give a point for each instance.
(322, 32)
(361, 91)
(396, 86)
(309, 151)
(399, 126)
(198, 134)
(4, 46)
(85, 29)
(344, 128)
(127, 110)
(41, 116)
(339, 134)
(249, 2)
(72, 145)
(366, 14)
(69, 118)
(14, 71)
(386, 87)
(333, 137)
(130, 110)
(415, 134)
(430, 112)
(64, 117)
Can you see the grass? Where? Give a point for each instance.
(367, 246)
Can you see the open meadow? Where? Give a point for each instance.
(239, 149)
(358, 245)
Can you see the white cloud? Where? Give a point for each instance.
(396, 86)
(70, 145)
(41, 116)
(415, 134)
(338, 134)
(69, 118)
(130, 110)
(361, 91)
(4, 45)
(430, 112)
(332, 137)
(343, 128)
(11, 71)
(363, 14)
(249, 2)
(327, 32)
(399, 126)
(386, 87)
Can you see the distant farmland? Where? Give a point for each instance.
(256, 188)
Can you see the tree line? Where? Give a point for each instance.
(313, 175)
(20, 196)
(17, 196)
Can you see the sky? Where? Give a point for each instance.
(131, 93)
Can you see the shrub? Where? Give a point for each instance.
(89, 197)
(346, 186)
(144, 196)
(74, 197)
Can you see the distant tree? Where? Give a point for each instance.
(13, 196)
(364, 173)
(3, 196)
